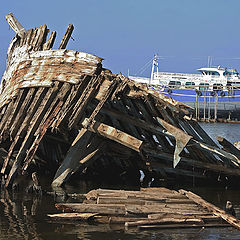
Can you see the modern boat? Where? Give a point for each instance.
(213, 93)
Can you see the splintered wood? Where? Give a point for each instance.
(148, 208)
(63, 114)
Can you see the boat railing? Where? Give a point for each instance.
(207, 87)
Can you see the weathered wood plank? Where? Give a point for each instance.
(215, 210)
(71, 101)
(228, 147)
(109, 209)
(140, 201)
(15, 25)
(88, 94)
(66, 37)
(83, 151)
(115, 135)
(165, 220)
(15, 109)
(22, 111)
(41, 39)
(34, 124)
(72, 216)
(31, 152)
(49, 44)
(19, 131)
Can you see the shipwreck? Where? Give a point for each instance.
(63, 114)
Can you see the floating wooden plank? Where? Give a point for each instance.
(132, 213)
(73, 216)
(215, 210)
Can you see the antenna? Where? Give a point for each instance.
(154, 64)
(210, 60)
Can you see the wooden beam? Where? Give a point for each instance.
(215, 210)
(66, 37)
(114, 134)
(84, 150)
(15, 25)
(191, 162)
(49, 44)
(228, 147)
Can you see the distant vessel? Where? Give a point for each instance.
(214, 93)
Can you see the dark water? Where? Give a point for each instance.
(24, 216)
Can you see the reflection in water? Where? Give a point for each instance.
(19, 214)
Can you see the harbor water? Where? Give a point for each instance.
(24, 216)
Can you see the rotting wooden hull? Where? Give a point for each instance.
(62, 113)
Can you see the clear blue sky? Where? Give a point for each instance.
(127, 33)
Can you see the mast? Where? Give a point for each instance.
(154, 64)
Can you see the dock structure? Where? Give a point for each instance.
(63, 114)
(149, 208)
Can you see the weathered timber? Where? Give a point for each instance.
(15, 25)
(51, 99)
(49, 44)
(215, 210)
(165, 220)
(227, 146)
(66, 36)
(115, 134)
(78, 156)
(133, 213)
(73, 216)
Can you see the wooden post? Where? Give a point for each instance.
(216, 107)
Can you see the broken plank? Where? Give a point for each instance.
(34, 124)
(66, 37)
(72, 216)
(82, 152)
(18, 130)
(215, 210)
(15, 25)
(115, 135)
(87, 95)
(165, 220)
(109, 209)
(17, 120)
(228, 147)
(49, 44)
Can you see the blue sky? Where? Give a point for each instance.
(128, 33)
